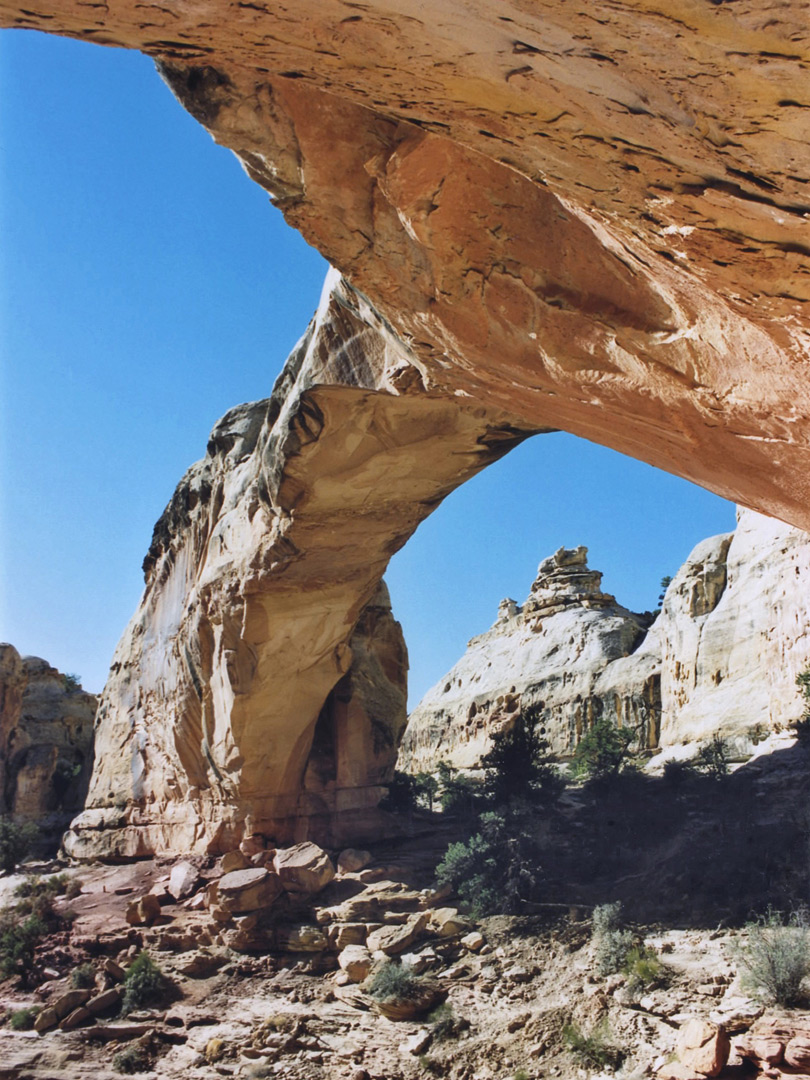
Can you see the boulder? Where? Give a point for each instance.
(66, 1003)
(352, 859)
(797, 1052)
(78, 1018)
(448, 922)
(183, 880)
(304, 868)
(393, 940)
(143, 911)
(234, 860)
(344, 934)
(46, 1019)
(703, 1046)
(248, 890)
(356, 961)
(106, 1000)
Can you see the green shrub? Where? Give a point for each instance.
(23, 1019)
(677, 773)
(612, 943)
(394, 982)
(642, 968)
(83, 977)
(145, 985)
(519, 767)
(497, 868)
(712, 759)
(131, 1059)
(603, 751)
(595, 1050)
(72, 682)
(460, 794)
(776, 957)
(444, 1024)
(36, 886)
(426, 788)
(18, 942)
(16, 841)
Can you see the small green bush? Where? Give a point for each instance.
(444, 1024)
(612, 943)
(18, 942)
(394, 982)
(642, 968)
(677, 773)
(776, 957)
(712, 759)
(603, 751)
(145, 985)
(596, 1050)
(23, 1019)
(72, 682)
(16, 841)
(83, 977)
(426, 788)
(497, 868)
(131, 1059)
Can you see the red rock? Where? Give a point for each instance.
(703, 1046)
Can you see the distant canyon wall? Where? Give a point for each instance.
(261, 685)
(592, 218)
(720, 659)
(46, 743)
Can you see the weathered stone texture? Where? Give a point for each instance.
(46, 742)
(592, 217)
(721, 658)
(549, 651)
(261, 686)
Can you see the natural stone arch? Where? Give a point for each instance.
(557, 225)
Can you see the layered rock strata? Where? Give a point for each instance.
(260, 686)
(549, 652)
(46, 742)
(593, 217)
(721, 658)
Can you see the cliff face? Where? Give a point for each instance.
(592, 217)
(260, 686)
(46, 742)
(721, 658)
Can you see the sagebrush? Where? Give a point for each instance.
(776, 957)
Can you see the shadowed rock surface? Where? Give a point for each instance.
(46, 743)
(721, 658)
(261, 685)
(592, 217)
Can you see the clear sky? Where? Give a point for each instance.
(147, 286)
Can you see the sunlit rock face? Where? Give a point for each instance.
(46, 743)
(721, 659)
(549, 652)
(261, 685)
(593, 217)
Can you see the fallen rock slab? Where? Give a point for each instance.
(703, 1046)
(183, 880)
(144, 911)
(352, 860)
(356, 961)
(248, 890)
(304, 868)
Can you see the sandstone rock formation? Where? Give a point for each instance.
(594, 218)
(46, 742)
(260, 687)
(721, 658)
(550, 651)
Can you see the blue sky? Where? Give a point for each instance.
(147, 286)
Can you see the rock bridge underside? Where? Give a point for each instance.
(548, 214)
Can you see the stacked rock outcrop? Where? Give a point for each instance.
(261, 685)
(549, 651)
(720, 659)
(46, 742)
